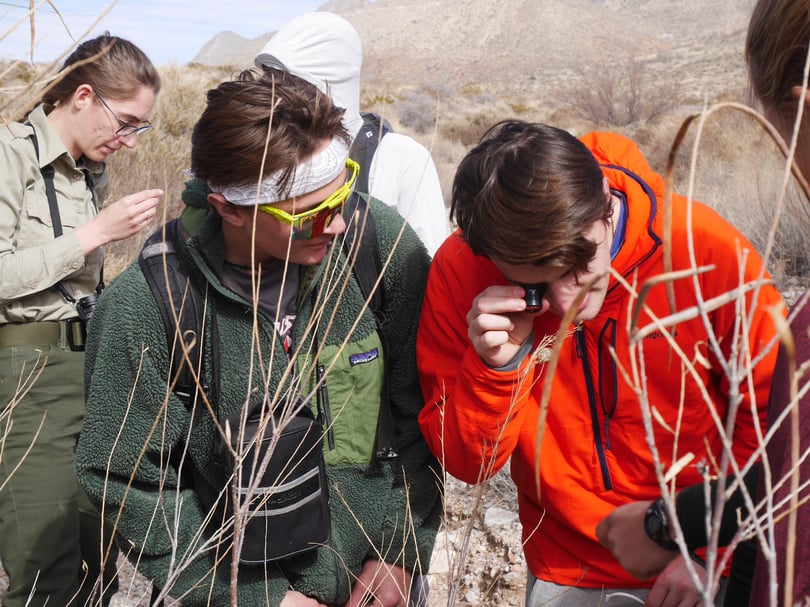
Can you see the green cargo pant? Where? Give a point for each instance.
(50, 534)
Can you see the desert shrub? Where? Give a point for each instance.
(468, 128)
(485, 98)
(620, 94)
(471, 88)
(21, 85)
(375, 100)
(442, 91)
(418, 112)
(17, 71)
(445, 151)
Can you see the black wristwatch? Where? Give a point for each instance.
(656, 524)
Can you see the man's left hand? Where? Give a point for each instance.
(381, 584)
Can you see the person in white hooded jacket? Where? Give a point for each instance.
(325, 49)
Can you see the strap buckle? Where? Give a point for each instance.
(74, 333)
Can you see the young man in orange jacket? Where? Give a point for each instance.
(579, 225)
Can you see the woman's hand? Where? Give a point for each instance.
(119, 220)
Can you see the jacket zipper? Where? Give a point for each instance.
(324, 410)
(579, 337)
(607, 373)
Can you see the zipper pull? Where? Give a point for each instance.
(323, 406)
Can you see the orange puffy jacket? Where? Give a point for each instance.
(595, 454)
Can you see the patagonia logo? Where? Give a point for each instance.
(364, 357)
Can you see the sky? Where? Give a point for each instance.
(168, 31)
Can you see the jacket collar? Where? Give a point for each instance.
(51, 148)
(630, 175)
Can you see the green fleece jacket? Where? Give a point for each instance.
(154, 472)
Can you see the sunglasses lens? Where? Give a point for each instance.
(322, 221)
(314, 225)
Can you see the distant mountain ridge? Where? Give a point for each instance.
(229, 48)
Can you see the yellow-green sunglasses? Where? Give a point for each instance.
(313, 222)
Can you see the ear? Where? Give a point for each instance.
(230, 213)
(82, 95)
(797, 93)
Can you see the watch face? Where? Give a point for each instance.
(656, 526)
(653, 523)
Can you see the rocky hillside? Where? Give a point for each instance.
(527, 45)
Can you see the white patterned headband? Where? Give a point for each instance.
(308, 176)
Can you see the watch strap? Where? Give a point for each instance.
(656, 524)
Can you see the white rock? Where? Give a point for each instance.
(499, 517)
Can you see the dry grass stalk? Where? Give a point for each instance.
(159, 162)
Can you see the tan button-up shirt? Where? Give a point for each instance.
(32, 260)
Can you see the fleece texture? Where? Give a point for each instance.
(153, 466)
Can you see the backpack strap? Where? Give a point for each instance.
(374, 128)
(360, 246)
(181, 308)
(165, 273)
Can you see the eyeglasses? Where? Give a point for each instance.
(125, 129)
(313, 222)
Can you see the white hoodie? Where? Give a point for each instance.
(325, 49)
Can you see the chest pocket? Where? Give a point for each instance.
(72, 195)
(354, 382)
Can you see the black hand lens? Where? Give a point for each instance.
(534, 296)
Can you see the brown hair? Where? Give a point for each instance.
(776, 50)
(114, 67)
(525, 194)
(279, 111)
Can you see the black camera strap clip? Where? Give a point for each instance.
(75, 334)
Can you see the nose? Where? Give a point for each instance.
(337, 226)
(130, 141)
(561, 295)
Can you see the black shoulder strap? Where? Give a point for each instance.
(48, 174)
(374, 128)
(183, 314)
(360, 245)
(181, 308)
